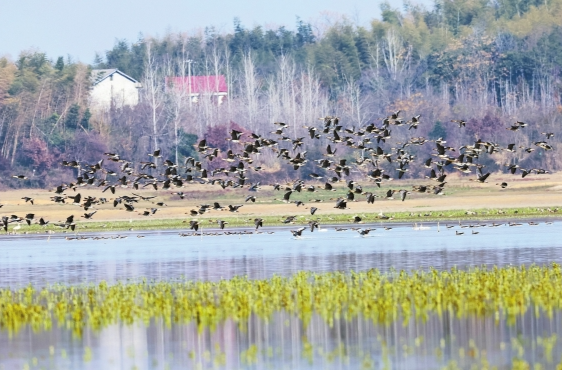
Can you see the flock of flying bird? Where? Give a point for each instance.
(245, 147)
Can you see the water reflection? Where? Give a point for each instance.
(283, 343)
(165, 255)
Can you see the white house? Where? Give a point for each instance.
(112, 87)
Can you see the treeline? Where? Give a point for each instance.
(489, 63)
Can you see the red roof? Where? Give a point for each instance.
(199, 84)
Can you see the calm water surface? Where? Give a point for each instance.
(41, 260)
(282, 342)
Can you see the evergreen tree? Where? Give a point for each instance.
(59, 65)
(72, 117)
(438, 131)
(85, 121)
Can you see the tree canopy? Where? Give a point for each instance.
(491, 62)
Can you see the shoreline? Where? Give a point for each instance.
(178, 225)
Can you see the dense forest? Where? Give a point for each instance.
(488, 62)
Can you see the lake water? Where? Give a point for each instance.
(283, 341)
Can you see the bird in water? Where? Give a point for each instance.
(364, 232)
(298, 232)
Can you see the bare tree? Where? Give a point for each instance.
(354, 103)
(153, 92)
(396, 57)
(250, 90)
(177, 96)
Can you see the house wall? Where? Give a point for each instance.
(116, 88)
(215, 97)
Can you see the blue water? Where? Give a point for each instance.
(281, 342)
(42, 260)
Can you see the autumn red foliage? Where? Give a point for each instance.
(483, 128)
(36, 155)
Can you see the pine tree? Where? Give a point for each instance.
(59, 65)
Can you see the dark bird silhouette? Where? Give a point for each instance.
(516, 126)
(75, 199)
(235, 136)
(313, 225)
(88, 216)
(217, 207)
(370, 198)
(341, 204)
(287, 196)
(403, 194)
(29, 217)
(330, 152)
(155, 154)
(461, 122)
(329, 187)
(60, 189)
(544, 145)
(110, 187)
(481, 177)
(298, 232)
(234, 208)
(143, 197)
(181, 194)
(289, 220)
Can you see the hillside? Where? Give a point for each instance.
(486, 63)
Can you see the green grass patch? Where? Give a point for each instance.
(209, 220)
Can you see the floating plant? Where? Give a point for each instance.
(380, 297)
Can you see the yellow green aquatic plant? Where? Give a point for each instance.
(380, 297)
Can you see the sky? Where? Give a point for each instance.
(80, 28)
